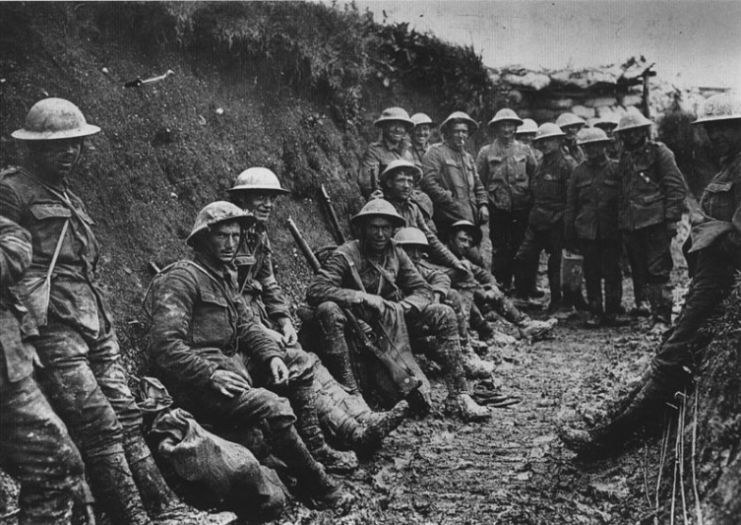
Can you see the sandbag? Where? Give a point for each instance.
(224, 474)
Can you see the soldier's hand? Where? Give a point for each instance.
(377, 194)
(461, 267)
(483, 215)
(279, 371)
(277, 337)
(290, 337)
(374, 302)
(229, 383)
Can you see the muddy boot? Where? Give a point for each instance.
(536, 330)
(464, 407)
(474, 366)
(337, 361)
(287, 446)
(303, 401)
(368, 435)
(114, 487)
(158, 497)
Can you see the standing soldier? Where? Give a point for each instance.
(651, 203)
(34, 445)
(591, 225)
(526, 133)
(374, 276)
(717, 243)
(77, 345)
(506, 167)
(395, 124)
(450, 178)
(607, 123)
(420, 144)
(545, 222)
(570, 124)
(220, 364)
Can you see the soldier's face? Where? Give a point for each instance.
(378, 231)
(260, 203)
(401, 186)
(421, 134)
(571, 131)
(506, 130)
(414, 252)
(548, 145)
(725, 136)
(525, 138)
(633, 137)
(460, 242)
(394, 131)
(222, 241)
(458, 135)
(594, 150)
(57, 158)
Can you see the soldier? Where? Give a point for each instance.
(479, 287)
(506, 167)
(717, 243)
(82, 370)
(256, 192)
(450, 177)
(651, 203)
(526, 133)
(607, 123)
(570, 124)
(220, 365)
(591, 225)
(395, 124)
(375, 277)
(420, 144)
(34, 445)
(545, 223)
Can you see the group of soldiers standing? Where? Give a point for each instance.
(411, 281)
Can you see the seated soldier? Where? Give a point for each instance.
(374, 277)
(349, 417)
(482, 289)
(414, 243)
(216, 360)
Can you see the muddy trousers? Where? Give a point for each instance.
(86, 384)
(465, 301)
(434, 333)
(602, 263)
(261, 408)
(528, 258)
(507, 232)
(679, 353)
(35, 448)
(650, 249)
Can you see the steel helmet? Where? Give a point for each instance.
(725, 106)
(398, 165)
(409, 236)
(395, 114)
(470, 227)
(378, 208)
(422, 118)
(528, 126)
(505, 114)
(215, 213)
(607, 121)
(53, 119)
(460, 116)
(569, 119)
(258, 179)
(548, 130)
(632, 121)
(591, 136)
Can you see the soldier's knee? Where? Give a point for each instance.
(331, 318)
(279, 415)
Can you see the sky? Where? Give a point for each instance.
(694, 43)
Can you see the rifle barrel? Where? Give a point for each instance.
(303, 246)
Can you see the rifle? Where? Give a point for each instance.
(336, 230)
(401, 375)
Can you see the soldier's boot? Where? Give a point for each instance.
(114, 487)
(635, 409)
(368, 435)
(287, 446)
(303, 401)
(474, 366)
(337, 361)
(158, 497)
(535, 330)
